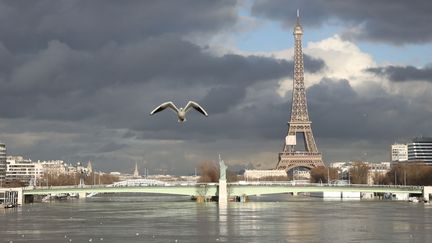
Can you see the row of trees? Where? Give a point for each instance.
(357, 174)
(54, 179)
(406, 174)
(74, 178)
(401, 174)
(323, 174)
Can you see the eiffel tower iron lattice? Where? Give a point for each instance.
(299, 123)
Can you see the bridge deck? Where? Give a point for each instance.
(234, 189)
(195, 190)
(239, 190)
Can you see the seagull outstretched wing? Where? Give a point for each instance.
(196, 106)
(163, 106)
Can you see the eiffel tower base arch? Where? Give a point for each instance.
(291, 160)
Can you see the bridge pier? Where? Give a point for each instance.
(427, 191)
(20, 196)
(82, 195)
(222, 192)
(244, 198)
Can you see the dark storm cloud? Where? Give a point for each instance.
(110, 147)
(62, 83)
(404, 73)
(338, 111)
(70, 70)
(220, 99)
(394, 21)
(91, 24)
(67, 80)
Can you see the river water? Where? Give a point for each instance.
(149, 218)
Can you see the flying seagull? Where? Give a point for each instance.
(181, 112)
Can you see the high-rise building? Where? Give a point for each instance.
(420, 150)
(2, 161)
(300, 149)
(399, 152)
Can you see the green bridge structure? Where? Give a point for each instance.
(242, 189)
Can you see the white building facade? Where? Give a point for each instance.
(264, 174)
(22, 170)
(54, 167)
(399, 152)
(19, 169)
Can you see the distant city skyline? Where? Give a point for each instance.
(78, 79)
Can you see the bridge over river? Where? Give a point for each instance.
(233, 189)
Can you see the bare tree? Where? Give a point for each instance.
(359, 173)
(208, 172)
(322, 174)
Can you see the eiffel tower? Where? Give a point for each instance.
(299, 123)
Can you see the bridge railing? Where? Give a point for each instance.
(167, 184)
(294, 183)
(63, 187)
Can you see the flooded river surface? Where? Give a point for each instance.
(149, 218)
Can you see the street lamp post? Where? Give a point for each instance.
(349, 178)
(395, 178)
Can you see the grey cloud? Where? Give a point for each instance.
(62, 83)
(91, 24)
(220, 99)
(312, 64)
(404, 73)
(337, 111)
(111, 147)
(398, 22)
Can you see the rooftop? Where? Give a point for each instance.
(422, 140)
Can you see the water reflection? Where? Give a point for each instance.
(167, 219)
(223, 221)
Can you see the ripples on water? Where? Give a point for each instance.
(150, 218)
